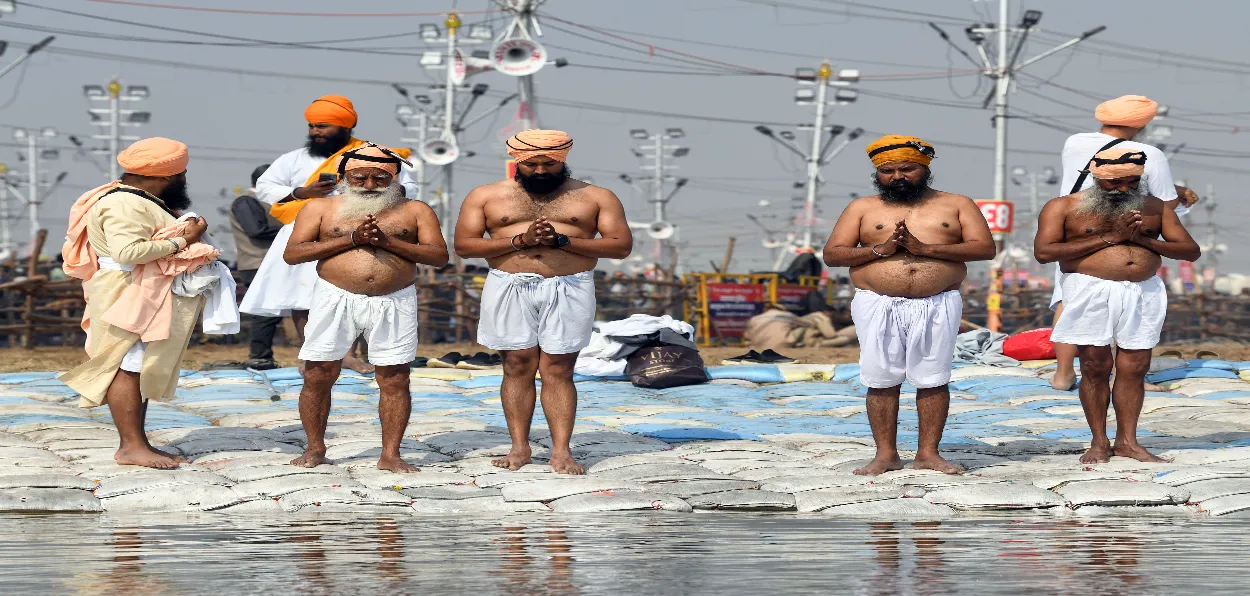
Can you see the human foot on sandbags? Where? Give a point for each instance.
(935, 462)
(563, 463)
(515, 460)
(311, 458)
(146, 457)
(880, 465)
(396, 464)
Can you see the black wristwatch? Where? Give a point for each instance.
(561, 241)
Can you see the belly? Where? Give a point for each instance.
(1117, 263)
(548, 262)
(909, 276)
(368, 271)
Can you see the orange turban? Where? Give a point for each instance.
(1134, 111)
(533, 143)
(1117, 162)
(370, 156)
(332, 109)
(155, 157)
(900, 148)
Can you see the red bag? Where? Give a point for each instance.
(1033, 344)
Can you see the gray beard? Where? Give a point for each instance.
(358, 202)
(1106, 205)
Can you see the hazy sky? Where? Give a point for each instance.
(912, 85)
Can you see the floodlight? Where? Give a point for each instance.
(422, 99)
(404, 110)
(8, 6)
(49, 154)
(482, 32)
(764, 130)
(429, 31)
(849, 75)
(137, 92)
(804, 96)
(806, 76)
(480, 89)
(787, 135)
(674, 133)
(973, 35)
(1051, 176)
(431, 58)
(837, 129)
(139, 117)
(1031, 18)
(639, 133)
(846, 95)
(94, 91)
(627, 179)
(48, 132)
(681, 152)
(1019, 171)
(682, 182)
(1162, 112)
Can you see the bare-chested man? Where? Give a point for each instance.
(1106, 240)
(907, 248)
(538, 304)
(368, 240)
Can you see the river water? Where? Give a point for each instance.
(619, 554)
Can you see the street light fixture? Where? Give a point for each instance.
(681, 152)
(137, 92)
(1031, 18)
(675, 133)
(639, 133)
(764, 130)
(429, 31)
(787, 135)
(139, 117)
(94, 91)
(19, 134)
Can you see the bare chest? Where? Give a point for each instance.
(932, 224)
(395, 225)
(1077, 227)
(571, 208)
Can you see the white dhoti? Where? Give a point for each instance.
(1056, 295)
(906, 338)
(279, 288)
(337, 317)
(1098, 312)
(523, 310)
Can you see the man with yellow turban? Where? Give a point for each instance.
(546, 231)
(1123, 119)
(111, 234)
(907, 248)
(366, 242)
(1108, 240)
(291, 182)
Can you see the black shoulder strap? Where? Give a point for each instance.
(143, 193)
(1080, 180)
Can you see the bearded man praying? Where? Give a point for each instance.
(907, 247)
(367, 240)
(1106, 240)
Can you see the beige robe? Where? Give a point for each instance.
(120, 227)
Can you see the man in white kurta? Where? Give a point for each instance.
(281, 290)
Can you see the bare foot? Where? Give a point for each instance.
(1136, 452)
(142, 456)
(177, 458)
(935, 462)
(880, 465)
(311, 459)
(301, 368)
(515, 459)
(396, 464)
(563, 464)
(357, 365)
(1099, 453)
(1153, 387)
(1063, 381)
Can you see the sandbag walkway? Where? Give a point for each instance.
(758, 438)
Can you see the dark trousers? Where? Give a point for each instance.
(262, 329)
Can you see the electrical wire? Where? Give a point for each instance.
(285, 13)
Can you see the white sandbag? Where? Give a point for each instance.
(495, 504)
(253, 507)
(663, 473)
(72, 434)
(806, 482)
(546, 490)
(13, 440)
(426, 426)
(1225, 505)
(59, 500)
(156, 479)
(46, 481)
(1049, 480)
(248, 474)
(1184, 476)
(362, 449)
(229, 460)
(1231, 456)
(893, 510)
(634, 460)
(343, 500)
(690, 488)
(1006, 495)
(197, 447)
(16, 454)
(1136, 512)
(453, 492)
(821, 499)
(1114, 492)
(385, 479)
(744, 500)
(180, 497)
(280, 486)
(1204, 490)
(618, 501)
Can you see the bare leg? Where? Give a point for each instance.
(518, 397)
(883, 417)
(394, 407)
(127, 408)
(1065, 375)
(353, 360)
(314, 410)
(300, 319)
(1095, 393)
(179, 458)
(560, 408)
(1131, 367)
(932, 405)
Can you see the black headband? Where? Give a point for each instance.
(924, 150)
(561, 147)
(391, 157)
(1133, 157)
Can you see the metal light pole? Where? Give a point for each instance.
(113, 119)
(660, 229)
(6, 216)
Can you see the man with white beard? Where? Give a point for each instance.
(1106, 240)
(367, 239)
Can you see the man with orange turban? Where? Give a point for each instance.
(291, 182)
(907, 247)
(1123, 119)
(1109, 241)
(111, 233)
(546, 233)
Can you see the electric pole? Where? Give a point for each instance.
(113, 119)
(660, 229)
(6, 214)
(511, 54)
(34, 156)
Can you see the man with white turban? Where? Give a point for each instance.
(1109, 241)
(538, 304)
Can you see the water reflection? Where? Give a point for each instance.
(538, 560)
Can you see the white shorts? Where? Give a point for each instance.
(278, 288)
(523, 310)
(133, 360)
(1056, 296)
(388, 323)
(906, 338)
(1097, 312)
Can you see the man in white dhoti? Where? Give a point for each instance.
(1107, 241)
(281, 290)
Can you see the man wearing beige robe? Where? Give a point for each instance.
(111, 231)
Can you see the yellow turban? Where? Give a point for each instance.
(155, 157)
(1134, 111)
(332, 109)
(900, 148)
(1116, 163)
(370, 156)
(533, 143)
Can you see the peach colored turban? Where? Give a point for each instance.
(533, 143)
(371, 156)
(155, 157)
(332, 109)
(1117, 162)
(900, 148)
(1134, 111)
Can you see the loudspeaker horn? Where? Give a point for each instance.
(440, 151)
(463, 67)
(661, 230)
(516, 54)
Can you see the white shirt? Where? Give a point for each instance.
(1081, 147)
(292, 170)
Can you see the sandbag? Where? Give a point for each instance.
(659, 367)
(1034, 344)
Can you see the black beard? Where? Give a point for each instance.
(902, 192)
(543, 184)
(327, 146)
(175, 195)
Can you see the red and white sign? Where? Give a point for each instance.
(1208, 274)
(792, 297)
(1187, 271)
(730, 306)
(999, 214)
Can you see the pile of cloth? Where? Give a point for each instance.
(777, 328)
(612, 342)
